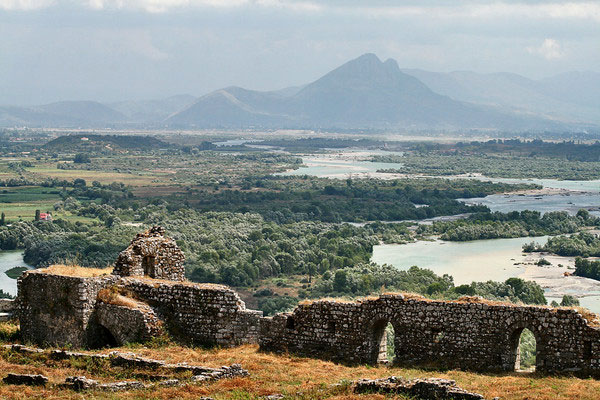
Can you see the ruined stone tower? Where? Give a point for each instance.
(152, 254)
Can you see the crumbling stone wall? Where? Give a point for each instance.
(62, 310)
(199, 313)
(128, 324)
(65, 310)
(59, 310)
(472, 335)
(152, 254)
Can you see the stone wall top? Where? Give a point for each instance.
(152, 254)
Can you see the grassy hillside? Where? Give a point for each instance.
(295, 377)
(104, 143)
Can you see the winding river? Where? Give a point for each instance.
(481, 260)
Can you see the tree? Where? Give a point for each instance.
(569, 301)
(2, 220)
(340, 280)
(82, 158)
(37, 215)
(79, 182)
(311, 270)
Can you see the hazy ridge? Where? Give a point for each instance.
(364, 93)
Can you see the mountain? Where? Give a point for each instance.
(64, 113)
(362, 93)
(582, 88)
(570, 97)
(147, 111)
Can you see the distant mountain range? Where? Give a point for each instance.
(364, 93)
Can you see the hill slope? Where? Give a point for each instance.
(64, 113)
(363, 93)
(149, 111)
(104, 143)
(571, 97)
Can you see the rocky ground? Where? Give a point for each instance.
(270, 376)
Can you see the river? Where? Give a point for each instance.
(497, 260)
(8, 260)
(482, 260)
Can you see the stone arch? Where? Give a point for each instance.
(514, 338)
(104, 338)
(378, 339)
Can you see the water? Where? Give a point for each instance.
(583, 186)
(495, 259)
(8, 260)
(567, 201)
(343, 165)
(479, 260)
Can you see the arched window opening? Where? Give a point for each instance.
(526, 352)
(148, 265)
(290, 323)
(383, 342)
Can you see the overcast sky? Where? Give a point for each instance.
(110, 50)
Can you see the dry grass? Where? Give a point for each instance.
(113, 296)
(340, 300)
(210, 286)
(591, 318)
(298, 377)
(74, 270)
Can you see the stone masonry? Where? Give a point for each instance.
(61, 310)
(474, 335)
(470, 333)
(152, 254)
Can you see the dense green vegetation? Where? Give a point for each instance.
(88, 143)
(502, 159)
(244, 250)
(495, 166)
(15, 272)
(583, 244)
(587, 268)
(566, 301)
(329, 200)
(513, 224)
(277, 238)
(364, 279)
(564, 150)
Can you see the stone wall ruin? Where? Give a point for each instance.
(470, 334)
(61, 310)
(474, 335)
(152, 254)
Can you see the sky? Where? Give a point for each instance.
(111, 50)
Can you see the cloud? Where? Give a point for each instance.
(550, 49)
(160, 6)
(546, 10)
(128, 42)
(469, 9)
(24, 5)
